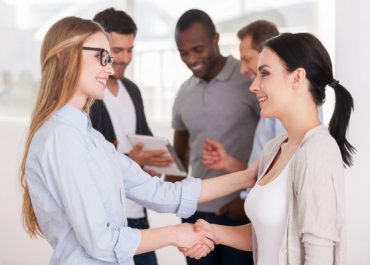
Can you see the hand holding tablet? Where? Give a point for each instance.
(152, 143)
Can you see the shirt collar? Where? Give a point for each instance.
(225, 72)
(74, 117)
(314, 131)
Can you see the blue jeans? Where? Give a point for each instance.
(148, 258)
(222, 255)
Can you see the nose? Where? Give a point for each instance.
(122, 57)
(255, 85)
(243, 69)
(126, 57)
(190, 59)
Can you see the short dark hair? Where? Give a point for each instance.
(260, 31)
(195, 16)
(116, 21)
(304, 50)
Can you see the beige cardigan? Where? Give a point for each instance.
(314, 232)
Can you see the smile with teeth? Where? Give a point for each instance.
(197, 67)
(102, 81)
(262, 99)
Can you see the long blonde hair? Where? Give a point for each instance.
(61, 55)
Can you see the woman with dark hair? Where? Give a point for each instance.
(297, 205)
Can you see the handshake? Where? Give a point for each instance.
(196, 240)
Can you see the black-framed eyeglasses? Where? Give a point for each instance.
(105, 58)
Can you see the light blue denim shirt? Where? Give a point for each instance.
(78, 183)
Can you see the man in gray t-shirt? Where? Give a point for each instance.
(214, 103)
(220, 109)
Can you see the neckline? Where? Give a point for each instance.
(277, 176)
(282, 139)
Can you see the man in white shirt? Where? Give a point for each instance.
(121, 112)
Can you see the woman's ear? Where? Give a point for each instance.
(299, 77)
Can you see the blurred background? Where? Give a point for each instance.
(158, 71)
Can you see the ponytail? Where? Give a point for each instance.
(339, 121)
(306, 51)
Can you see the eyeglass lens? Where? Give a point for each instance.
(106, 58)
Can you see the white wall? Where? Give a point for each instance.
(353, 69)
(16, 248)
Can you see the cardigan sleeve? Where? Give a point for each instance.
(318, 188)
(318, 254)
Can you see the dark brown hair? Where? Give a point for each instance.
(260, 31)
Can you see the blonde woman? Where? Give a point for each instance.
(75, 182)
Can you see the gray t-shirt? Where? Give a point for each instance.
(222, 109)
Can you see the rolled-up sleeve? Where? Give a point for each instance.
(189, 197)
(165, 197)
(124, 253)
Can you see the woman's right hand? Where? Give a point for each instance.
(203, 248)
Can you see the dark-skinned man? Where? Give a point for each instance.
(213, 103)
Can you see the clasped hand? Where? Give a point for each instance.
(204, 243)
(214, 155)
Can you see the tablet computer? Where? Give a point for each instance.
(154, 143)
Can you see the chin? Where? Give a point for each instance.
(118, 74)
(99, 95)
(198, 75)
(265, 114)
(117, 77)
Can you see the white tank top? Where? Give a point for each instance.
(267, 208)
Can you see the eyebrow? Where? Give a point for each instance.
(245, 57)
(120, 48)
(192, 48)
(260, 68)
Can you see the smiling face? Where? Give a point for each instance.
(198, 50)
(248, 57)
(122, 46)
(94, 76)
(273, 85)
